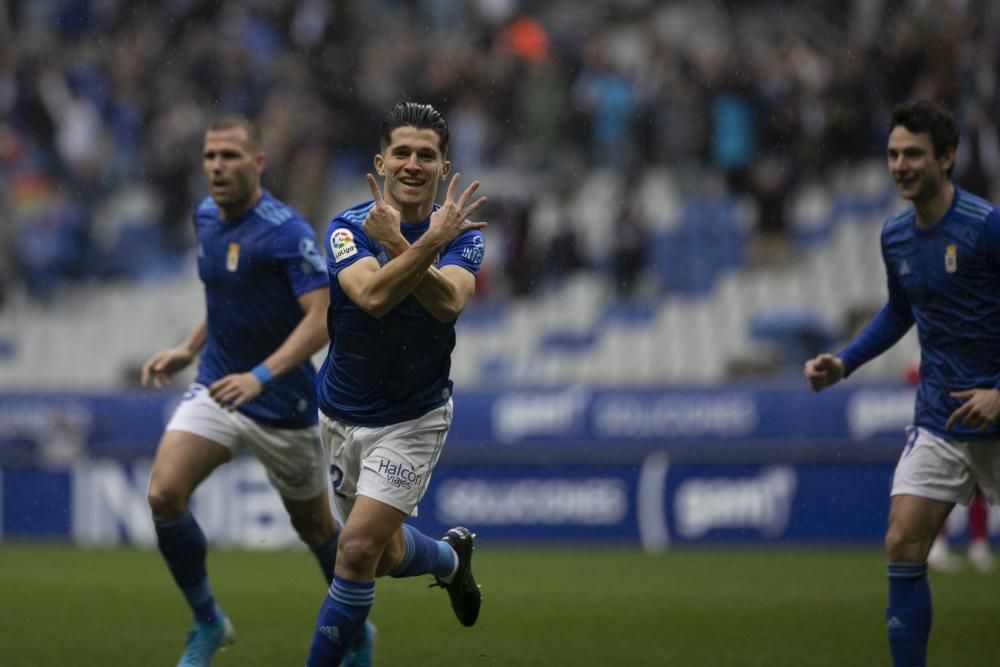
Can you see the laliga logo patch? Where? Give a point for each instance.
(951, 259)
(233, 257)
(342, 244)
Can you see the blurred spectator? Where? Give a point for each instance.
(630, 254)
(607, 98)
(514, 218)
(733, 140)
(977, 163)
(51, 239)
(769, 189)
(564, 257)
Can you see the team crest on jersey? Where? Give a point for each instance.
(233, 257)
(342, 244)
(951, 258)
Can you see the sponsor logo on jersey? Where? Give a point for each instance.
(342, 244)
(399, 474)
(233, 257)
(951, 258)
(474, 253)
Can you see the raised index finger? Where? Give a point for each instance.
(376, 193)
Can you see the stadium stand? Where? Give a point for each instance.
(611, 105)
(573, 332)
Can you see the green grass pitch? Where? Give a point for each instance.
(558, 607)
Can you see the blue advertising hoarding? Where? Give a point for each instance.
(658, 504)
(658, 468)
(574, 423)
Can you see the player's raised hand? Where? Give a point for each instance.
(451, 219)
(234, 390)
(381, 224)
(980, 409)
(159, 367)
(823, 371)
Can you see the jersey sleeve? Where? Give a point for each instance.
(885, 329)
(346, 243)
(467, 250)
(299, 257)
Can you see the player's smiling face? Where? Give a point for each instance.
(916, 170)
(413, 167)
(232, 170)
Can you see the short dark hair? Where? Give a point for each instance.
(935, 119)
(414, 114)
(232, 121)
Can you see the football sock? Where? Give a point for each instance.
(184, 549)
(423, 555)
(327, 557)
(339, 620)
(908, 617)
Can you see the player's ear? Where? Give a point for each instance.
(379, 164)
(445, 169)
(948, 160)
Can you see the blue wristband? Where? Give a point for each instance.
(263, 375)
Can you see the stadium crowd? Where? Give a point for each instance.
(103, 104)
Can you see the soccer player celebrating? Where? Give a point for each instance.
(266, 299)
(942, 257)
(402, 269)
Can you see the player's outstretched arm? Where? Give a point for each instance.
(159, 367)
(823, 371)
(309, 335)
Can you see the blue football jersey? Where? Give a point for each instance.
(946, 279)
(389, 370)
(254, 269)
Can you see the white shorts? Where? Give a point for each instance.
(294, 458)
(391, 464)
(948, 470)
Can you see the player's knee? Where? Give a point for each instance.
(358, 552)
(165, 502)
(901, 547)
